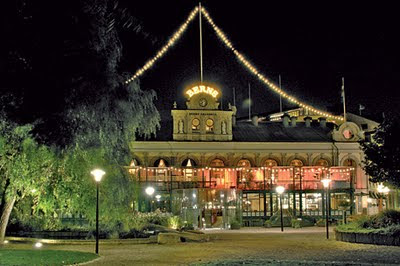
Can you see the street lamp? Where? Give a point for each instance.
(326, 183)
(150, 191)
(280, 190)
(382, 190)
(98, 175)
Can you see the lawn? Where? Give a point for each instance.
(43, 257)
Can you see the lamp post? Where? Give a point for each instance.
(98, 175)
(280, 190)
(326, 183)
(382, 190)
(150, 191)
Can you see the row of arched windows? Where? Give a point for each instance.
(245, 163)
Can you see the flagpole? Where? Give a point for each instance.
(280, 96)
(249, 102)
(344, 101)
(234, 97)
(201, 45)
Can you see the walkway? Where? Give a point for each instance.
(253, 246)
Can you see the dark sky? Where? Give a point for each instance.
(310, 45)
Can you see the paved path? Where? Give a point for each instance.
(251, 246)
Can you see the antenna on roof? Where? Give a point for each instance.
(280, 96)
(201, 45)
(249, 102)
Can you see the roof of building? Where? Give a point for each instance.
(245, 131)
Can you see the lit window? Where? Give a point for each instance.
(210, 125)
(244, 163)
(347, 134)
(216, 163)
(322, 162)
(195, 124)
(271, 163)
(296, 163)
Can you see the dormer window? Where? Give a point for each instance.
(209, 126)
(195, 124)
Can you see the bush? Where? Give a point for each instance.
(296, 223)
(267, 224)
(321, 222)
(235, 225)
(174, 222)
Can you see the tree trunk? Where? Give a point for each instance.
(5, 216)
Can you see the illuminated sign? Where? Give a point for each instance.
(202, 89)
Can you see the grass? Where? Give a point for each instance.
(43, 257)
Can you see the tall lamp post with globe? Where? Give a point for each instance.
(98, 175)
(326, 182)
(280, 190)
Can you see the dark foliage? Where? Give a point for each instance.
(382, 153)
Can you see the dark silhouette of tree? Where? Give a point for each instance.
(382, 152)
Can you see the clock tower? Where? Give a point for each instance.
(202, 120)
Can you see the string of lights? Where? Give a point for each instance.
(252, 69)
(247, 169)
(172, 40)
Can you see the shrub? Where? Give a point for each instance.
(174, 222)
(321, 222)
(296, 223)
(235, 225)
(268, 224)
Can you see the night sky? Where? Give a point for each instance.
(312, 46)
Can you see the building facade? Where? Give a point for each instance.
(212, 168)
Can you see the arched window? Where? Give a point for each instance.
(132, 166)
(195, 124)
(217, 163)
(244, 163)
(210, 125)
(322, 162)
(161, 163)
(189, 163)
(270, 163)
(296, 163)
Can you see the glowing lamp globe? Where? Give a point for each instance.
(280, 189)
(326, 182)
(150, 191)
(98, 174)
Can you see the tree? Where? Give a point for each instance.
(25, 166)
(382, 153)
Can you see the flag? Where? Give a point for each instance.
(362, 107)
(342, 92)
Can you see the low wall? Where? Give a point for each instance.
(368, 238)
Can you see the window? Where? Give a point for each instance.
(188, 163)
(210, 125)
(270, 163)
(195, 124)
(347, 134)
(161, 163)
(244, 163)
(296, 163)
(217, 162)
(364, 126)
(322, 162)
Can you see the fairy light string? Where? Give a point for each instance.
(250, 67)
(172, 40)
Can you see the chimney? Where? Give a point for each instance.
(254, 120)
(322, 122)
(293, 121)
(308, 121)
(285, 119)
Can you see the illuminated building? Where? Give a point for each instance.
(211, 168)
